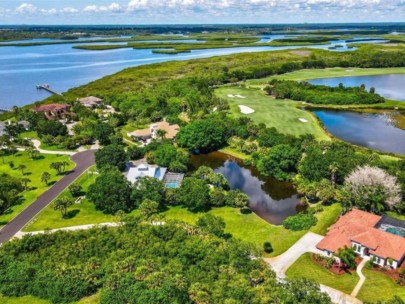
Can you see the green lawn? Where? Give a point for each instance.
(326, 218)
(80, 214)
(305, 267)
(379, 287)
(34, 300)
(327, 73)
(281, 114)
(33, 171)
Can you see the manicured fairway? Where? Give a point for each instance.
(33, 171)
(379, 287)
(327, 73)
(281, 114)
(305, 267)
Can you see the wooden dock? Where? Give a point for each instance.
(47, 88)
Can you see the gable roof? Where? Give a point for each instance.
(360, 227)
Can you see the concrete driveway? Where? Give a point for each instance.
(307, 243)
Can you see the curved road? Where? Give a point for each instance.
(83, 161)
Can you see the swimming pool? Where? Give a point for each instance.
(171, 185)
(396, 230)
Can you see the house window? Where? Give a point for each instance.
(377, 260)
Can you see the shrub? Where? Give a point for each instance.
(267, 247)
(300, 221)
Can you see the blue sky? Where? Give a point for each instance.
(199, 11)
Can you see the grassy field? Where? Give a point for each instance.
(305, 267)
(379, 287)
(33, 171)
(79, 214)
(281, 114)
(34, 300)
(326, 73)
(326, 219)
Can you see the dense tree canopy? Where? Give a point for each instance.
(10, 189)
(319, 94)
(204, 135)
(111, 155)
(281, 162)
(111, 191)
(143, 263)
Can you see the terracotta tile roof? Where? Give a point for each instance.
(52, 107)
(171, 130)
(359, 226)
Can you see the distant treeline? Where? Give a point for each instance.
(320, 94)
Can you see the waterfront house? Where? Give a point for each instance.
(151, 132)
(381, 238)
(90, 101)
(55, 110)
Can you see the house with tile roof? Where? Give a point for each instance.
(379, 237)
(90, 101)
(151, 132)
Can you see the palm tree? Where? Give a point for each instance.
(64, 164)
(347, 257)
(22, 168)
(333, 168)
(62, 204)
(160, 133)
(25, 181)
(45, 177)
(57, 166)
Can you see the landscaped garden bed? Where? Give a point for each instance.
(333, 265)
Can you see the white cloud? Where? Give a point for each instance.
(26, 8)
(69, 10)
(235, 10)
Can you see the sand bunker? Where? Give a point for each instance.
(230, 96)
(240, 96)
(246, 110)
(302, 120)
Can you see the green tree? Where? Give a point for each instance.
(205, 135)
(111, 192)
(56, 166)
(75, 190)
(281, 162)
(347, 257)
(62, 204)
(22, 167)
(148, 208)
(212, 224)
(111, 155)
(45, 177)
(25, 181)
(103, 132)
(194, 194)
(148, 188)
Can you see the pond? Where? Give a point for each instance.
(270, 199)
(375, 131)
(389, 86)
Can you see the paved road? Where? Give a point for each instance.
(83, 161)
